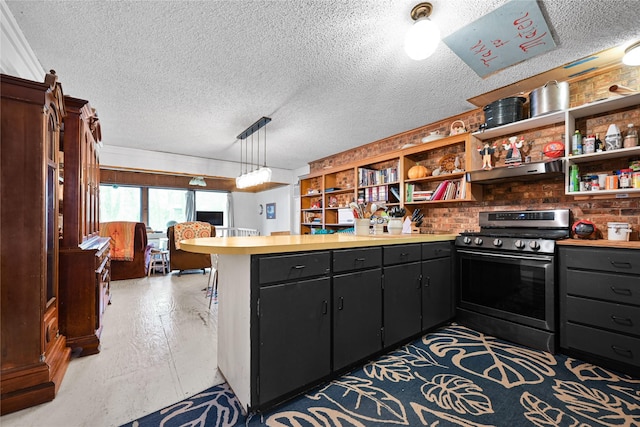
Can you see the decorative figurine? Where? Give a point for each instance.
(456, 165)
(514, 158)
(487, 154)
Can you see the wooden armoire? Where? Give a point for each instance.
(84, 255)
(34, 355)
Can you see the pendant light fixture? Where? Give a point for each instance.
(257, 174)
(424, 35)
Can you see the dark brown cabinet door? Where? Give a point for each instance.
(34, 353)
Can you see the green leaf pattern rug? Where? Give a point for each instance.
(454, 376)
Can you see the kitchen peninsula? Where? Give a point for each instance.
(297, 310)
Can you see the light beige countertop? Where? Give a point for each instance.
(297, 243)
(600, 243)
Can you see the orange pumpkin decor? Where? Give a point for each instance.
(417, 171)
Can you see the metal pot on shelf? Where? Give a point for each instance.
(504, 111)
(553, 96)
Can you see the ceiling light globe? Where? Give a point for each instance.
(265, 175)
(632, 55)
(422, 39)
(241, 181)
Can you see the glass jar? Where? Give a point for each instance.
(576, 143)
(585, 183)
(625, 178)
(631, 137)
(589, 144)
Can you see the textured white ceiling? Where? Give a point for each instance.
(186, 77)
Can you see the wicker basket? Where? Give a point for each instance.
(457, 127)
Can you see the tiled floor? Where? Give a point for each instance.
(158, 346)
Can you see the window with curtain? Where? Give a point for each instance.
(167, 207)
(124, 203)
(118, 203)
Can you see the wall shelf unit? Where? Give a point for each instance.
(590, 118)
(383, 179)
(593, 118)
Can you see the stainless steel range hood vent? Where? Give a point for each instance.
(526, 171)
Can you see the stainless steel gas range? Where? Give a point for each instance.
(507, 275)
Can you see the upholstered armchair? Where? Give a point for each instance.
(183, 260)
(129, 249)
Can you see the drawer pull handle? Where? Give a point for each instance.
(298, 267)
(622, 351)
(325, 307)
(356, 260)
(622, 320)
(341, 303)
(619, 264)
(620, 291)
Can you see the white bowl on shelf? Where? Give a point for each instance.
(433, 136)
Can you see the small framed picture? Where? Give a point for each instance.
(271, 211)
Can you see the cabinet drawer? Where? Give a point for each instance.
(293, 267)
(602, 343)
(401, 253)
(606, 286)
(356, 259)
(617, 317)
(605, 259)
(436, 250)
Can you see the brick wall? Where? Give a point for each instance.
(540, 194)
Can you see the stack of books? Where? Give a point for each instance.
(374, 194)
(374, 177)
(446, 190)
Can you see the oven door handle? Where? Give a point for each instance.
(493, 254)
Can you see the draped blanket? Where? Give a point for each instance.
(122, 238)
(190, 230)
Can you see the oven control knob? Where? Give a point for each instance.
(497, 242)
(466, 240)
(519, 244)
(534, 245)
(478, 241)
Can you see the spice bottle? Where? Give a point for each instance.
(599, 143)
(631, 137)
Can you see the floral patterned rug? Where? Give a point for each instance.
(454, 376)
